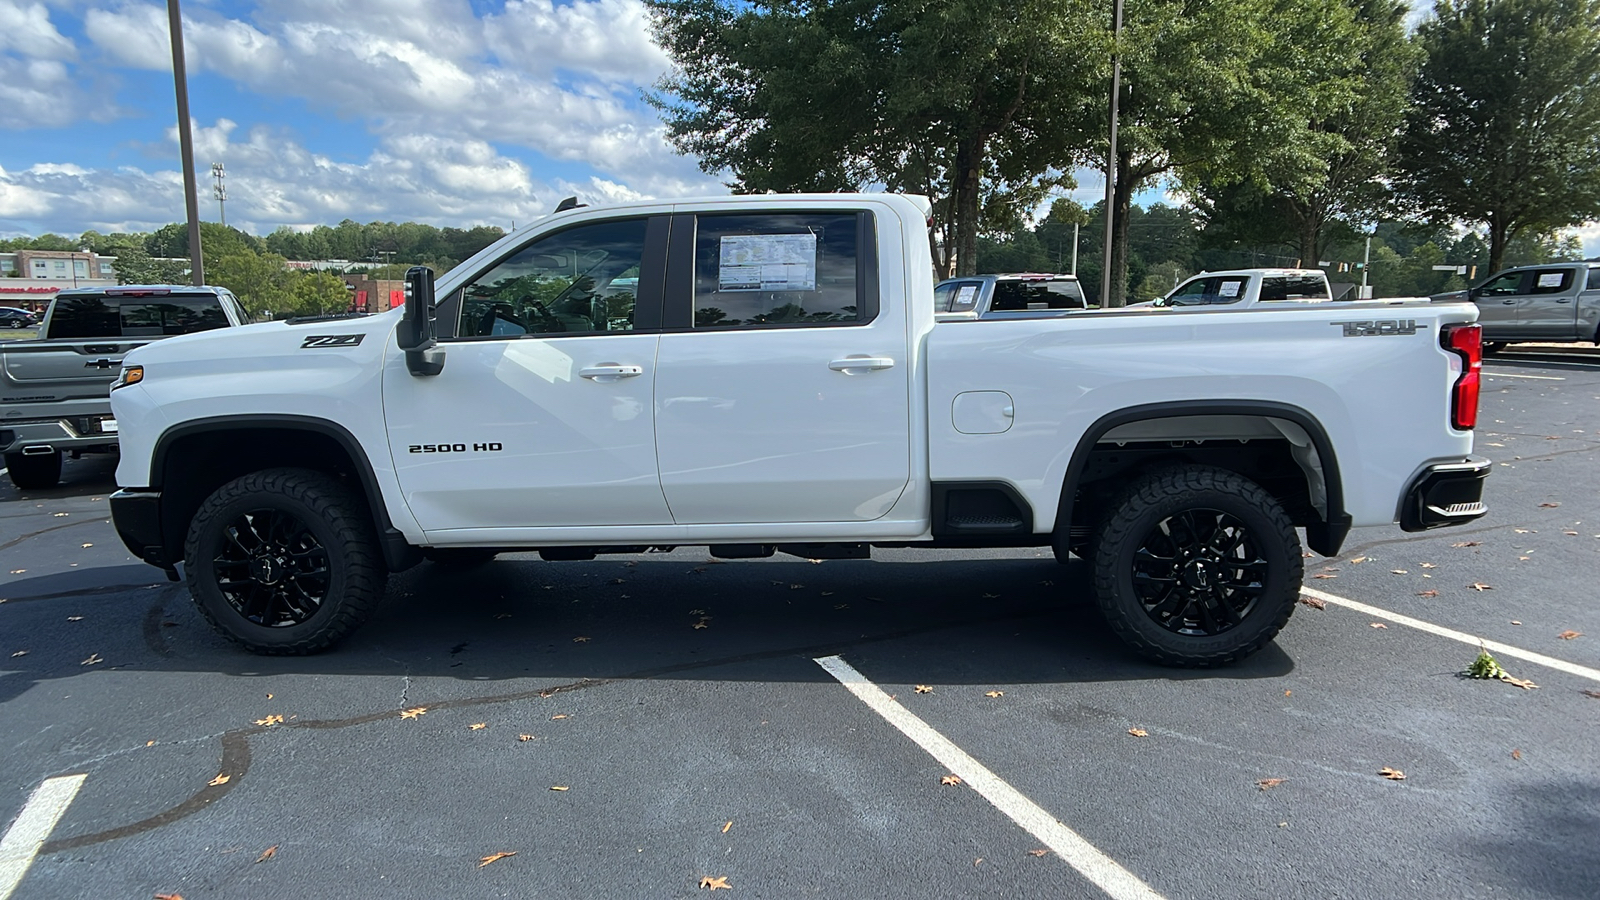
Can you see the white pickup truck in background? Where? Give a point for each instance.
(765, 373)
(1246, 288)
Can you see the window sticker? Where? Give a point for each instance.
(1229, 288)
(1550, 279)
(966, 297)
(768, 262)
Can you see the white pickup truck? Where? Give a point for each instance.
(1246, 289)
(761, 373)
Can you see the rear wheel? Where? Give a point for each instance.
(1197, 567)
(40, 470)
(284, 561)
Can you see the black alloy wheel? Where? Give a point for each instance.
(1196, 566)
(284, 561)
(1199, 572)
(271, 568)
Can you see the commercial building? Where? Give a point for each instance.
(30, 279)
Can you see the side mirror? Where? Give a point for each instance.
(416, 332)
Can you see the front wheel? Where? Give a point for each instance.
(1197, 567)
(284, 561)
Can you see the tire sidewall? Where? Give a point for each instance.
(1272, 607)
(205, 539)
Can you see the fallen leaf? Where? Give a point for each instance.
(87, 546)
(559, 787)
(269, 696)
(19, 653)
(478, 726)
(1480, 587)
(149, 743)
(220, 779)
(619, 581)
(1466, 543)
(495, 857)
(1516, 622)
(721, 881)
(74, 618)
(727, 826)
(1573, 533)
(502, 615)
(1288, 693)
(1429, 566)
(1038, 852)
(950, 779)
(1358, 560)
(1569, 634)
(1541, 506)
(1593, 695)
(994, 693)
(827, 593)
(558, 716)
(413, 712)
(270, 720)
(978, 861)
(991, 596)
(1268, 783)
(1377, 625)
(581, 639)
(169, 897)
(1138, 732)
(841, 606)
(1324, 575)
(1398, 572)
(268, 853)
(1525, 531)
(1523, 683)
(1392, 774)
(699, 624)
(524, 737)
(18, 571)
(796, 587)
(1516, 754)
(1312, 602)
(94, 659)
(59, 515)
(1427, 593)
(924, 689)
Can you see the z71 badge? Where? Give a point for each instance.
(331, 340)
(1373, 327)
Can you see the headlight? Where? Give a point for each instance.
(129, 375)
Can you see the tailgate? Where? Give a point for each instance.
(64, 368)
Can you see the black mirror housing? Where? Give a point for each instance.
(417, 324)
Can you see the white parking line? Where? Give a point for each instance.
(1559, 665)
(27, 834)
(1536, 377)
(1068, 844)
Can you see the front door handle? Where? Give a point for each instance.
(610, 372)
(1508, 302)
(1565, 300)
(852, 364)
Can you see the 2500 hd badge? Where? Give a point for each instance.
(493, 447)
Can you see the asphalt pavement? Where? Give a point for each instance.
(660, 725)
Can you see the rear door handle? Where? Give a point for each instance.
(608, 373)
(855, 363)
(1565, 300)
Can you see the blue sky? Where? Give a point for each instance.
(452, 112)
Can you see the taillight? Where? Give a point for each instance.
(1466, 341)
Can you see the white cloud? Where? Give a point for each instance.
(1589, 233)
(28, 31)
(605, 39)
(38, 93)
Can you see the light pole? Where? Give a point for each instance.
(1111, 153)
(220, 190)
(191, 201)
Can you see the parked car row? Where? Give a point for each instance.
(12, 317)
(1556, 303)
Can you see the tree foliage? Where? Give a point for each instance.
(1504, 124)
(981, 107)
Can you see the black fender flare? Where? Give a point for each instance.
(1325, 537)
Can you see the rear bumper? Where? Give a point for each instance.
(137, 517)
(79, 432)
(1446, 494)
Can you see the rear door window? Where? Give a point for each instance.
(782, 269)
(1550, 281)
(1023, 295)
(1293, 287)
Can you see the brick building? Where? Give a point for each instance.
(30, 279)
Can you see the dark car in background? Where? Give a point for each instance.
(12, 317)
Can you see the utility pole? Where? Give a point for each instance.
(220, 189)
(1366, 263)
(1111, 155)
(1075, 249)
(191, 200)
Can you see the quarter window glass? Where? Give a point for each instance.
(1553, 281)
(172, 315)
(584, 280)
(83, 317)
(1016, 296)
(776, 269)
(1505, 284)
(1594, 280)
(941, 297)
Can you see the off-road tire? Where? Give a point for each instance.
(1201, 491)
(459, 557)
(36, 472)
(331, 515)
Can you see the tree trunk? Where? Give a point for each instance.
(969, 166)
(1499, 237)
(1121, 201)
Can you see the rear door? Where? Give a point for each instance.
(1549, 308)
(783, 391)
(1498, 301)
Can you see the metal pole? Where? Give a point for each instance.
(1075, 249)
(1111, 156)
(191, 200)
(1366, 263)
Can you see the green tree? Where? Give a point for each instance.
(979, 106)
(319, 294)
(135, 266)
(261, 282)
(1504, 127)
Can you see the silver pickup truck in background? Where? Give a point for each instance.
(54, 390)
(1558, 302)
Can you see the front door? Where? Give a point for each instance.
(542, 415)
(1498, 300)
(783, 393)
